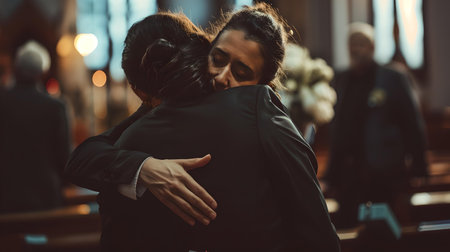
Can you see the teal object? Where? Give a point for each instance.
(378, 216)
(36, 239)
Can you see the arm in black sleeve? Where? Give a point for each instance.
(293, 169)
(412, 125)
(96, 163)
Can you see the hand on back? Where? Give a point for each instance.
(168, 180)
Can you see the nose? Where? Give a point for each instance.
(222, 78)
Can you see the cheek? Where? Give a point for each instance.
(210, 66)
(214, 70)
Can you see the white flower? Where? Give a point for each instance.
(307, 98)
(291, 85)
(323, 91)
(310, 78)
(322, 112)
(320, 71)
(327, 72)
(295, 58)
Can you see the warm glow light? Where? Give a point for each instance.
(99, 78)
(52, 87)
(430, 198)
(83, 209)
(64, 46)
(332, 205)
(85, 43)
(347, 235)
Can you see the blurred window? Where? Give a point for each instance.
(198, 11)
(383, 19)
(109, 20)
(92, 18)
(239, 3)
(410, 24)
(408, 15)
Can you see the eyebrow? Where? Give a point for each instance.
(222, 52)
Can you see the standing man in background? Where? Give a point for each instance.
(34, 138)
(378, 136)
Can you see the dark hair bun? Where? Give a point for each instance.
(176, 72)
(156, 56)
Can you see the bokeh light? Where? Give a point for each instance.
(65, 46)
(85, 43)
(52, 87)
(99, 78)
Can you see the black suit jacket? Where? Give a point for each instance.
(262, 174)
(98, 165)
(34, 146)
(391, 129)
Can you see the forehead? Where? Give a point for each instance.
(238, 47)
(359, 38)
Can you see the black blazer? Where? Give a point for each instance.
(97, 165)
(34, 146)
(262, 174)
(392, 129)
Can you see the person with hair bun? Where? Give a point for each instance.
(262, 172)
(97, 165)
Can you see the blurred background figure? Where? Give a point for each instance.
(378, 135)
(34, 140)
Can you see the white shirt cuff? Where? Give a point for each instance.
(134, 190)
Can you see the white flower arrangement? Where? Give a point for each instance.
(307, 81)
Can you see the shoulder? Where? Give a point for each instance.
(52, 102)
(268, 99)
(340, 79)
(54, 106)
(242, 91)
(243, 96)
(393, 79)
(390, 72)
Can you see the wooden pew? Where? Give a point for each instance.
(74, 195)
(412, 240)
(71, 228)
(83, 242)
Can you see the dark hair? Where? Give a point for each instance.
(165, 56)
(264, 25)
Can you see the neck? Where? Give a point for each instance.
(363, 67)
(152, 102)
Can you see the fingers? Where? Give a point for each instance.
(192, 163)
(190, 210)
(184, 203)
(176, 210)
(175, 188)
(204, 201)
(195, 200)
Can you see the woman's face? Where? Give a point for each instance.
(235, 61)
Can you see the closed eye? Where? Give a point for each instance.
(219, 58)
(242, 72)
